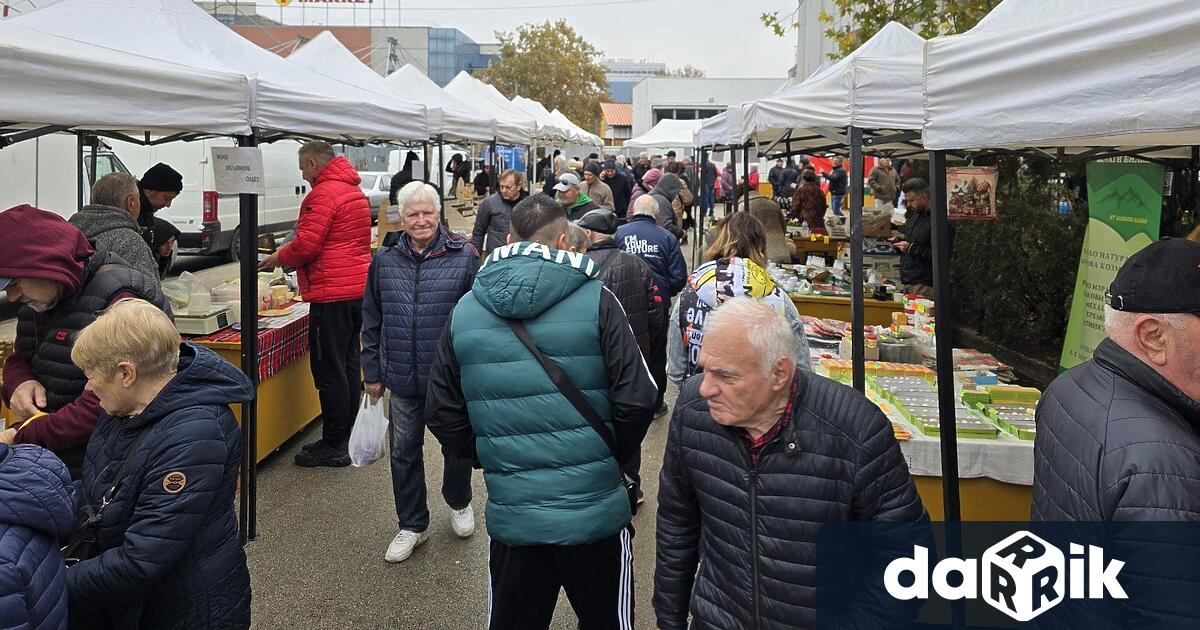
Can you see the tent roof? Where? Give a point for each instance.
(585, 137)
(547, 126)
(327, 56)
(468, 89)
(50, 80)
(457, 118)
(1067, 73)
(667, 134)
(878, 86)
(287, 97)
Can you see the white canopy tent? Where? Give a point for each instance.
(49, 80)
(548, 128)
(468, 89)
(327, 56)
(1067, 73)
(667, 134)
(287, 97)
(876, 87)
(458, 120)
(584, 137)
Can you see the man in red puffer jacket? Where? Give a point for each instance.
(331, 253)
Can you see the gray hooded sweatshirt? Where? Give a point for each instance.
(665, 193)
(120, 234)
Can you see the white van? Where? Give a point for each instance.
(208, 222)
(396, 161)
(43, 173)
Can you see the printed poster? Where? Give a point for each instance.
(971, 193)
(1125, 210)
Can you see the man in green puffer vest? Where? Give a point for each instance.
(557, 512)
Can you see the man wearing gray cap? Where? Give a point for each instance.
(572, 199)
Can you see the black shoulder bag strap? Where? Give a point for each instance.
(569, 391)
(608, 262)
(81, 544)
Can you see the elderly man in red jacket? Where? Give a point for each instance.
(331, 253)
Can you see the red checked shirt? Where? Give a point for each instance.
(756, 445)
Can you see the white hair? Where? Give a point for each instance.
(645, 206)
(418, 192)
(767, 332)
(1120, 323)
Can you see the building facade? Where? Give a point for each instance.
(813, 47)
(657, 98)
(624, 74)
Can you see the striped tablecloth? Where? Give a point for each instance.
(281, 340)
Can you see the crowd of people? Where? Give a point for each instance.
(538, 350)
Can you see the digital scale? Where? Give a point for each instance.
(202, 322)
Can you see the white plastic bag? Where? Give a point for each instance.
(368, 438)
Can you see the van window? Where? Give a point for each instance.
(104, 166)
(368, 181)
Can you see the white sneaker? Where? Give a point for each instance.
(463, 521)
(403, 544)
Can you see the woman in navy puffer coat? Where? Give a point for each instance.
(169, 556)
(37, 507)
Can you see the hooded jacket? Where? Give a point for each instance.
(168, 548)
(119, 233)
(582, 206)
(644, 185)
(737, 543)
(332, 247)
(409, 296)
(643, 238)
(492, 221)
(37, 508)
(712, 284)
(551, 479)
(92, 279)
(631, 281)
(666, 190)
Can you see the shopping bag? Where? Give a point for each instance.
(368, 438)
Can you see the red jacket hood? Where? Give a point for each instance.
(338, 170)
(41, 244)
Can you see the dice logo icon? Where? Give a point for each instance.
(1023, 576)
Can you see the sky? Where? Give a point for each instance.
(722, 37)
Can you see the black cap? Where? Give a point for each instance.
(610, 164)
(602, 221)
(1162, 278)
(593, 168)
(162, 178)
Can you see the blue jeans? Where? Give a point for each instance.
(836, 202)
(706, 199)
(406, 432)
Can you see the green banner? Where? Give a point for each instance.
(1125, 209)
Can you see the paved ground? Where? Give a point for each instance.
(318, 559)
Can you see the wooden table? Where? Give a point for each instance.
(806, 246)
(875, 312)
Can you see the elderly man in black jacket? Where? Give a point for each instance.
(1119, 439)
(759, 456)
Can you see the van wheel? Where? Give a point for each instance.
(235, 247)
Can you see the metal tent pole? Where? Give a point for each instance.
(441, 170)
(248, 257)
(82, 177)
(733, 166)
(492, 180)
(944, 336)
(425, 156)
(857, 312)
(746, 159)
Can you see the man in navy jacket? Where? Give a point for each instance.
(412, 286)
(644, 238)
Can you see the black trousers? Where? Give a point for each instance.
(657, 361)
(334, 350)
(524, 583)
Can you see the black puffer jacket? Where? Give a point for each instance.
(836, 460)
(1116, 442)
(630, 279)
(1120, 444)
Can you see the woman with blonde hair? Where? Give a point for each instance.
(159, 481)
(737, 267)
